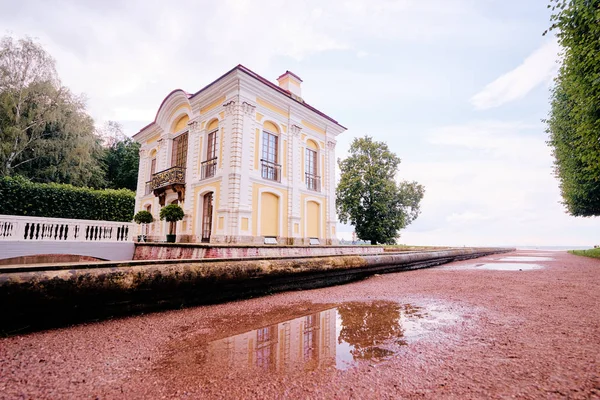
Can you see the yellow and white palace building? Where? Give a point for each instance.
(247, 159)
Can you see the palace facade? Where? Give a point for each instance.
(248, 160)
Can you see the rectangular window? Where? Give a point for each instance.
(179, 152)
(311, 162)
(211, 149)
(269, 152)
(270, 169)
(152, 167)
(313, 181)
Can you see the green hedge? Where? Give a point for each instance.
(18, 196)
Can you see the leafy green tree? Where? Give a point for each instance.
(121, 158)
(45, 132)
(574, 121)
(368, 195)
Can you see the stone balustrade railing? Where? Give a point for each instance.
(58, 229)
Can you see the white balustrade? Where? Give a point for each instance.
(58, 229)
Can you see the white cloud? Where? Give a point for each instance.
(537, 69)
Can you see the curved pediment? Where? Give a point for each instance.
(174, 104)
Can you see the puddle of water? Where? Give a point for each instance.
(339, 338)
(504, 266)
(526, 258)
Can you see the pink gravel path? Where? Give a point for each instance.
(524, 334)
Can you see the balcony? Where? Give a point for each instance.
(313, 182)
(172, 178)
(270, 170)
(208, 168)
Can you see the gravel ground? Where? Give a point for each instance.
(525, 334)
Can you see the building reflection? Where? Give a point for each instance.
(337, 337)
(307, 342)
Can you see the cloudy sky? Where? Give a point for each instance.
(457, 88)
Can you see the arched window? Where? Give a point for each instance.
(270, 166)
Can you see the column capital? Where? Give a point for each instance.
(229, 107)
(248, 108)
(331, 144)
(295, 130)
(194, 126)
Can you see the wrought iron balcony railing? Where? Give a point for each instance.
(270, 170)
(208, 168)
(171, 176)
(313, 182)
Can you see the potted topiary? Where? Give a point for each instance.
(143, 217)
(171, 213)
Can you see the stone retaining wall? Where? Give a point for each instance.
(178, 251)
(42, 296)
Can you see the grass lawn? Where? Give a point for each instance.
(588, 253)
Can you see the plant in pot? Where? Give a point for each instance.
(143, 217)
(171, 213)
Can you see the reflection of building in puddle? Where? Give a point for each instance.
(338, 337)
(306, 342)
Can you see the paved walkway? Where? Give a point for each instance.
(462, 330)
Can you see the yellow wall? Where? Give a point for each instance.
(201, 156)
(269, 217)
(256, 149)
(213, 125)
(271, 127)
(220, 144)
(244, 224)
(181, 123)
(153, 139)
(313, 127)
(302, 161)
(312, 145)
(272, 107)
(313, 219)
(284, 160)
(213, 105)
(196, 212)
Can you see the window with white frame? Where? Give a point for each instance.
(312, 178)
(270, 168)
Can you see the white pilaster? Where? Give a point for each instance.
(330, 216)
(294, 179)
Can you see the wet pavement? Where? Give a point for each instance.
(487, 328)
(339, 337)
